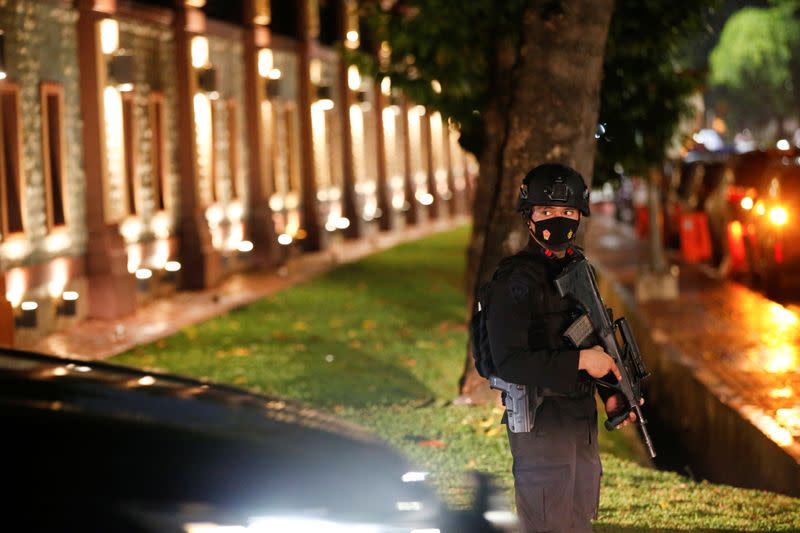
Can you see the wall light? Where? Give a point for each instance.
(109, 36)
(386, 86)
(315, 71)
(245, 246)
(265, 62)
(425, 198)
(353, 78)
(172, 266)
(16, 285)
(275, 74)
(200, 53)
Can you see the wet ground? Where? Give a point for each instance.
(742, 346)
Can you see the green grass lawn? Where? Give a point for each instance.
(382, 342)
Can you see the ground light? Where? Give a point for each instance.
(265, 62)
(28, 317)
(69, 304)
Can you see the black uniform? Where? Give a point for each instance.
(556, 466)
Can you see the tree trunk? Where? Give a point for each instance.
(546, 96)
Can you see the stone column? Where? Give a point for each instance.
(350, 207)
(201, 262)
(112, 289)
(310, 209)
(6, 315)
(454, 202)
(260, 228)
(386, 221)
(412, 213)
(427, 142)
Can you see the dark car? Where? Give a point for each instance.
(99, 447)
(769, 190)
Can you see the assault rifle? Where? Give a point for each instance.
(577, 282)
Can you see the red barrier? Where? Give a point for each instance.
(695, 238)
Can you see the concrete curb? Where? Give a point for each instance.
(729, 441)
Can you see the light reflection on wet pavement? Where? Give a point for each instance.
(741, 344)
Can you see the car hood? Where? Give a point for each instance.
(134, 441)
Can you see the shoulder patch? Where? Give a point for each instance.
(518, 286)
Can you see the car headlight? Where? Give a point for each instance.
(778, 216)
(281, 525)
(298, 524)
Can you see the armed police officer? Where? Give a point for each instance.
(556, 461)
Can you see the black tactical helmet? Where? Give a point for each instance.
(553, 184)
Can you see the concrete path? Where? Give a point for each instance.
(725, 365)
(98, 339)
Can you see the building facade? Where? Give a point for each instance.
(148, 149)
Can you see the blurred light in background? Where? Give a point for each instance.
(778, 216)
(109, 36)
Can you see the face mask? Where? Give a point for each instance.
(556, 233)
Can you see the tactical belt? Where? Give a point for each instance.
(521, 405)
(583, 388)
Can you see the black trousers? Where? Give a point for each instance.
(557, 467)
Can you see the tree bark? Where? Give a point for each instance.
(546, 96)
